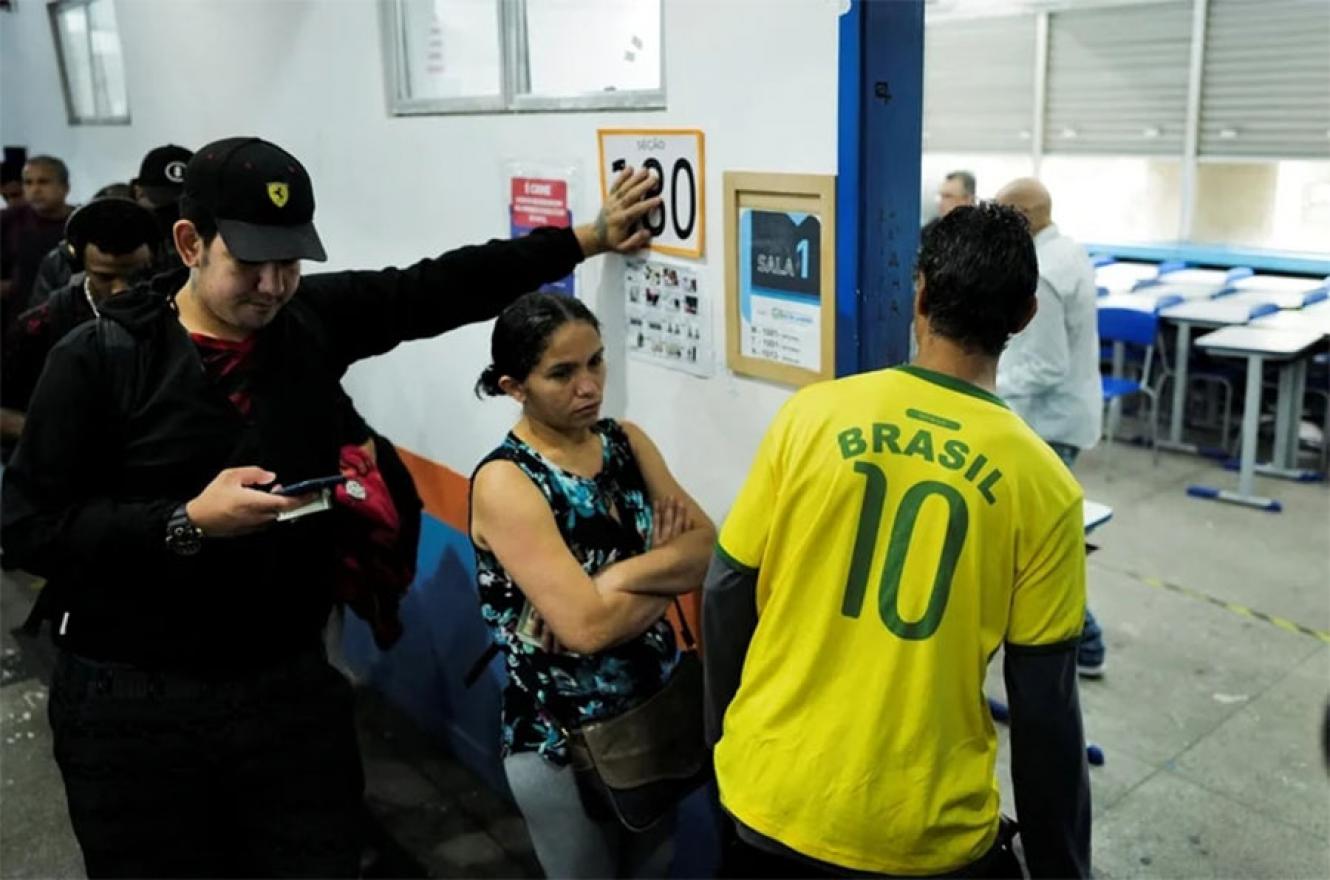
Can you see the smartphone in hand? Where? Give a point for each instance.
(304, 487)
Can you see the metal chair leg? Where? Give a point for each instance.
(1228, 414)
(1154, 428)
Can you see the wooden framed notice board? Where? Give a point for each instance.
(780, 276)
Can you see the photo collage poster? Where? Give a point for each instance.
(668, 316)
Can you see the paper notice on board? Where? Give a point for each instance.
(780, 271)
(668, 316)
(535, 202)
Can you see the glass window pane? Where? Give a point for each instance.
(1279, 205)
(449, 49)
(108, 63)
(72, 27)
(1115, 199)
(579, 47)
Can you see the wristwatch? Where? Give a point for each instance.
(183, 538)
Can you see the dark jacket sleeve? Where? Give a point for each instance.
(729, 618)
(53, 273)
(58, 519)
(1048, 766)
(368, 313)
(8, 257)
(27, 342)
(354, 427)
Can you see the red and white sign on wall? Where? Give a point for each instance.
(540, 201)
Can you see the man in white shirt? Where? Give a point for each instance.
(1049, 373)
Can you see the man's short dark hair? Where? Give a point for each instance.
(979, 272)
(117, 226)
(205, 223)
(966, 179)
(55, 165)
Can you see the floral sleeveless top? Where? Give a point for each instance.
(544, 689)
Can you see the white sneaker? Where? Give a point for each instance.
(1090, 670)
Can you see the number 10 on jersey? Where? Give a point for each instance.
(898, 547)
(677, 158)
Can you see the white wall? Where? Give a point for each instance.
(758, 77)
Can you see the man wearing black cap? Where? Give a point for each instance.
(196, 721)
(161, 176)
(157, 188)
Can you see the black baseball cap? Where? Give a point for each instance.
(162, 173)
(260, 196)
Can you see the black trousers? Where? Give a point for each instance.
(173, 776)
(740, 859)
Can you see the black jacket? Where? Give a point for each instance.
(54, 272)
(34, 334)
(118, 435)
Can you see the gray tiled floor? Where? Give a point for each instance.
(1209, 719)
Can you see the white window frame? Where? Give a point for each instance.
(53, 10)
(400, 103)
(516, 75)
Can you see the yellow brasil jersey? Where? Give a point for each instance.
(903, 524)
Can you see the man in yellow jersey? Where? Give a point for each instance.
(896, 528)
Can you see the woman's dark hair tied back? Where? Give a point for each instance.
(488, 383)
(523, 332)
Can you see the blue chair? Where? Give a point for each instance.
(1127, 330)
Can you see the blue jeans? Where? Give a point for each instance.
(1091, 651)
(568, 842)
(1065, 452)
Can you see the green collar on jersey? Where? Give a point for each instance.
(952, 383)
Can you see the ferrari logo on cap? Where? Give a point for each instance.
(279, 193)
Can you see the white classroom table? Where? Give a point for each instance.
(1183, 291)
(1301, 319)
(1140, 301)
(1198, 282)
(1289, 348)
(1218, 278)
(1094, 514)
(1316, 319)
(1279, 282)
(1205, 313)
(1119, 277)
(1284, 299)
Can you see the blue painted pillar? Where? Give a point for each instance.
(877, 194)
